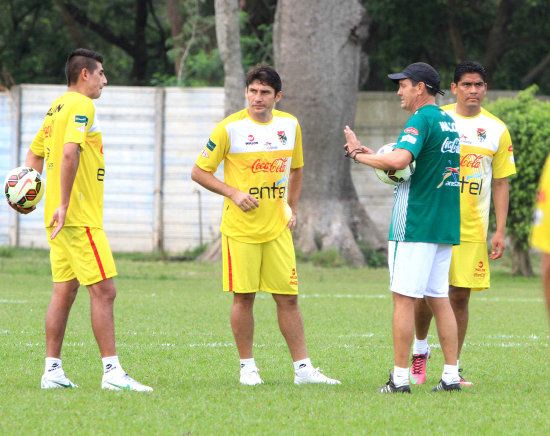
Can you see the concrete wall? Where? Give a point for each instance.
(151, 138)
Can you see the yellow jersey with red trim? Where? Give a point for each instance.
(71, 118)
(485, 152)
(257, 158)
(540, 234)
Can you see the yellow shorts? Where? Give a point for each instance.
(470, 266)
(267, 266)
(82, 253)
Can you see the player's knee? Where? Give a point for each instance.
(459, 296)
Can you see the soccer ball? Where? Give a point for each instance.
(23, 186)
(394, 177)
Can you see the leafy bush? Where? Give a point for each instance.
(327, 258)
(528, 120)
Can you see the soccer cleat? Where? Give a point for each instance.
(417, 372)
(251, 377)
(120, 381)
(462, 381)
(442, 386)
(56, 380)
(315, 376)
(390, 387)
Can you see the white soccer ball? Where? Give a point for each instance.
(23, 186)
(394, 177)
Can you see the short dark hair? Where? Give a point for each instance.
(429, 90)
(266, 75)
(469, 67)
(79, 59)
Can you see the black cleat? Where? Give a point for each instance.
(442, 386)
(390, 387)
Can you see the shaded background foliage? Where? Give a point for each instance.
(142, 47)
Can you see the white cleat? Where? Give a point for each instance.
(251, 377)
(56, 380)
(315, 376)
(123, 382)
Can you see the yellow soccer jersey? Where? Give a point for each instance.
(71, 118)
(540, 235)
(485, 152)
(257, 160)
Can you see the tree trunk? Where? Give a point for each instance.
(521, 261)
(454, 31)
(176, 29)
(229, 45)
(317, 53)
(497, 41)
(140, 48)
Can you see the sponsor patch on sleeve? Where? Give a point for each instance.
(81, 122)
(408, 138)
(411, 130)
(81, 119)
(210, 145)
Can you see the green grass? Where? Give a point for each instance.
(173, 333)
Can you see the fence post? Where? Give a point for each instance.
(158, 218)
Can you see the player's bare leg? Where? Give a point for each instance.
(403, 328)
(460, 298)
(446, 328)
(242, 323)
(64, 294)
(102, 298)
(292, 328)
(421, 350)
(447, 331)
(422, 318)
(291, 325)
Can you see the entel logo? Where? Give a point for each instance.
(275, 166)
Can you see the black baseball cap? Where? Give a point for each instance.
(420, 72)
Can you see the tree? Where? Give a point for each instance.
(131, 36)
(318, 57)
(229, 46)
(528, 121)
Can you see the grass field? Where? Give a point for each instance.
(173, 333)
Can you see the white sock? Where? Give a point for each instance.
(110, 364)
(450, 374)
(420, 346)
(458, 364)
(400, 376)
(248, 364)
(303, 367)
(52, 364)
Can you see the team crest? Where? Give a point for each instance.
(481, 134)
(282, 136)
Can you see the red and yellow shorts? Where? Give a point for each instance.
(82, 253)
(266, 266)
(470, 266)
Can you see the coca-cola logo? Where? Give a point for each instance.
(266, 166)
(450, 146)
(471, 160)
